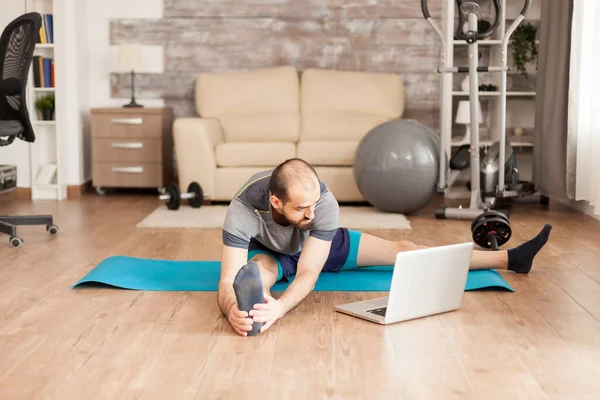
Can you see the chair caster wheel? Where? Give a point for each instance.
(16, 241)
(52, 229)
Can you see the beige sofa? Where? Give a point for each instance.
(253, 120)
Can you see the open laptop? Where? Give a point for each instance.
(424, 282)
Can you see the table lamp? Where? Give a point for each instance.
(130, 60)
(463, 116)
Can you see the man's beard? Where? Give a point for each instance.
(305, 226)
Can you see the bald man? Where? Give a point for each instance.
(283, 224)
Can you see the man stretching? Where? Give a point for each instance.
(284, 222)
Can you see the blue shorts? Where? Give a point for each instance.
(342, 255)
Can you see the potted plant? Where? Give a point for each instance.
(45, 104)
(524, 47)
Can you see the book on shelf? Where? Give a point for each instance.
(43, 72)
(46, 30)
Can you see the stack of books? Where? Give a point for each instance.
(43, 72)
(46, 30)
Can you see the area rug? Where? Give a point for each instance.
(206, 217)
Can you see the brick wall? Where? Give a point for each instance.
(222, 35)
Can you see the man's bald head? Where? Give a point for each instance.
(293, 173)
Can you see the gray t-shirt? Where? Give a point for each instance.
(249, 216)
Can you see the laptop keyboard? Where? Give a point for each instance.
(378, 311)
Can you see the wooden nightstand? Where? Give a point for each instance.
(132, 147)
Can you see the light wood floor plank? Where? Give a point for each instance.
(358, 374)
(304, 362)
(487, 356)
(557, 368)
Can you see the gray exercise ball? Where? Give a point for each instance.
(396, 166)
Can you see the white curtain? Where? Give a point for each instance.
(583, 144)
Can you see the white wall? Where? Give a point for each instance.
(18, 152)
(96, 60)
(90, 59)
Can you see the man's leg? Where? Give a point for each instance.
(269, 270)
(373, 250)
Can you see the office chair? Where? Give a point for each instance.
(17, 44)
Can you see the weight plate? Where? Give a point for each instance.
(486, 226)
(488, 214)
(174, 196)
(198, 199)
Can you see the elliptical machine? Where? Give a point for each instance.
(495, 179)
(489, 181)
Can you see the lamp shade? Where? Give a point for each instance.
(463, 114)
(130, 57)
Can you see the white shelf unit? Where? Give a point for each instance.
(490, 101)
(49, 148)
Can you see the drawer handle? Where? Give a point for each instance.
(127, 121)
(127, 145)
(129, 170)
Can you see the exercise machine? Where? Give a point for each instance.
(495, 179)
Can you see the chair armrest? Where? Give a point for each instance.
(10, 87)
(194, 141)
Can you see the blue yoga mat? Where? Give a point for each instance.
(163, 275)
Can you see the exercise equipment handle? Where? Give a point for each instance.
(525, 7)
(427, 16)
(425, 9)
(496, 21)
(501, 184)
(493, 240)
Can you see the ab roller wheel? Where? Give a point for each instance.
(491, 229)
(173, 196)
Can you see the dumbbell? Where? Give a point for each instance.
(491, 229)
(173, 196)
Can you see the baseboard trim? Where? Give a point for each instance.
(24, 193)
(581, 206)
(76, 191)
(19, 193)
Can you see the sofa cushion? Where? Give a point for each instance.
(336, 125)
(327, 153)
(340, 181)
(263, 127)
(257, 105)
(345, 105)
(253, 154)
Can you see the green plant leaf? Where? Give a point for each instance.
(45, 102)
(524, 48)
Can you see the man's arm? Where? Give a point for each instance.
(315, 251)
(311, 262)
(239, 227)
(232, 260)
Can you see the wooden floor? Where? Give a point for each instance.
(543, 341)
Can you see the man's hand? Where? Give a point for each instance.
(269, 312)
(239, 320)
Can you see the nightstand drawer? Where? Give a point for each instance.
(130, 125)
(126, 150)
(127, 174)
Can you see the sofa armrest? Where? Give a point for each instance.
(194, 141)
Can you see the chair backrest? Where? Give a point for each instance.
(17, 44)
